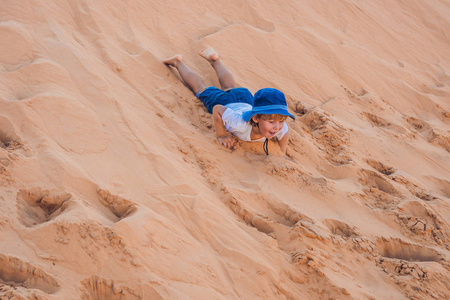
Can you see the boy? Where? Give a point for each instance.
(253, 119)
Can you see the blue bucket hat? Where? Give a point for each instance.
(268, 101)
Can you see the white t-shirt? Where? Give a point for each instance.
(234, 123)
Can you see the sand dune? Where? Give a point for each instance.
(113, 187)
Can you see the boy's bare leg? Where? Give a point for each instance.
(191, 78)
(226, 79)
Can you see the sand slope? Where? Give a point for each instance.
(112, 185)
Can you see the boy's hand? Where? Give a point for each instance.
(221, 132)
(227, 141)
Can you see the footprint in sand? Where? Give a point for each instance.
(286, 215)
(263, 206)
(373, 180)
(277, 214)
(15, 272)
(378, 192)
(422, 127)
(423, 222)
(313, 120)
(270, 217)
(330, 135)
(118, 207)
(37, 206)
(8, 138)
(340, 228)
(429, 133)
(297, 107)
(99, 288)
(396, 248)
(376, 120)
(380, 167)
(409, 265)
(382, 123)
(414, 189)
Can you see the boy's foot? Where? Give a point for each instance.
(173, 60)
(209, 54)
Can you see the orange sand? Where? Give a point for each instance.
(113, 187)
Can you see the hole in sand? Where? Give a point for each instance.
(396, 248)
(339, 228)
(37, 206)
(15, 272)
(96, 288)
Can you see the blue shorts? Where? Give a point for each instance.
(212, 96)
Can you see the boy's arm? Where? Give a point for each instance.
(221, 132)
(283, 142)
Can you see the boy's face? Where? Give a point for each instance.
(269, 126)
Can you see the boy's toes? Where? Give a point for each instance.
(209, 54)
(173, 60)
